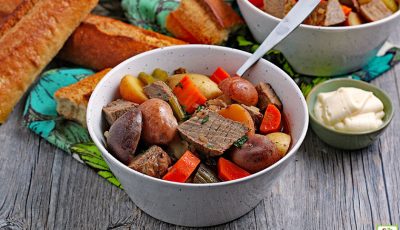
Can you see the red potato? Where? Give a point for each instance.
(124, 134)
(256, 154)
(240, 90)
(159, 123)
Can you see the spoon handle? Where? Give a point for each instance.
(291, 21)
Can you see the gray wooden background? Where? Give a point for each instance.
(42, 187)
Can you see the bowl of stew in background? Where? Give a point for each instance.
(190, 204)
(320, 50)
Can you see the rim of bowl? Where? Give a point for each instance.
(311, 110)
(327, 28)
(110, 157)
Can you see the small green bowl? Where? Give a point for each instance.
(342, 139)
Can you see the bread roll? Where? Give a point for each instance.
(32, 41)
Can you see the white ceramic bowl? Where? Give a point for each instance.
(197, 204)
(323, 51)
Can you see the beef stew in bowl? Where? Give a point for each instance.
(334, 12)
(193, 128)
(184, 203)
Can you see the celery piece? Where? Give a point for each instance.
(145, 78)
(205, 175)
(177, 109)
(160, 74)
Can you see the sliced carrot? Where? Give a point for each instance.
(229, 171)
(183, 168)
(237, 113)
(219, 75)
(189, 96)
(346, 10)
(272, 120)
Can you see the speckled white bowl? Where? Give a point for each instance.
(197, 204)
(323, 51)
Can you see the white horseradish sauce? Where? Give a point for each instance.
(349, 109)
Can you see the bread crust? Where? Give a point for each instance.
(202, 21)
(7, 7)
(222, 13)
(102, 42)
(32, 42)
(193, 17)
(72, 100)
(15, 16)
(176, 28)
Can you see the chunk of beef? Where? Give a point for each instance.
(210, 133)
(317, 17)
(267, 95)
(216, 104)
(255, 114)
(275, 8)
(180, 71)
(158, 90)
(375, 10)
(154, 162)
(327, 13)
(334, 13)
(115, 109)
(289, 5)
(227, 100)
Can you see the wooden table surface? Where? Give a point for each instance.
(323, 188)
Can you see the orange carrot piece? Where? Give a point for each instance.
(183, 168)
(272, 120)
(219, 75)
(346, 10)
(189, 96)
(229, 171)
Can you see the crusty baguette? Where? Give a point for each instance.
(7, 7)
(72, 100)
(222, 13)
(32, 42)
(202, 21)
(174, 26)
(102, 42)
(15, 16)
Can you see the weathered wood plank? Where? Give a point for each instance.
(390, 140)
(24, 175)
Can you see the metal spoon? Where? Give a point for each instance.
(290, 22)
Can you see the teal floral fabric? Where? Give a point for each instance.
(41, 117)
(40, 113)
(149, 14)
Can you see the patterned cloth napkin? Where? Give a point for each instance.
(40, 113)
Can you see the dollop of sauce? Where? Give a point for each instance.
(349, 109)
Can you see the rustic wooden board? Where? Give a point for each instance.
(43, 187)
